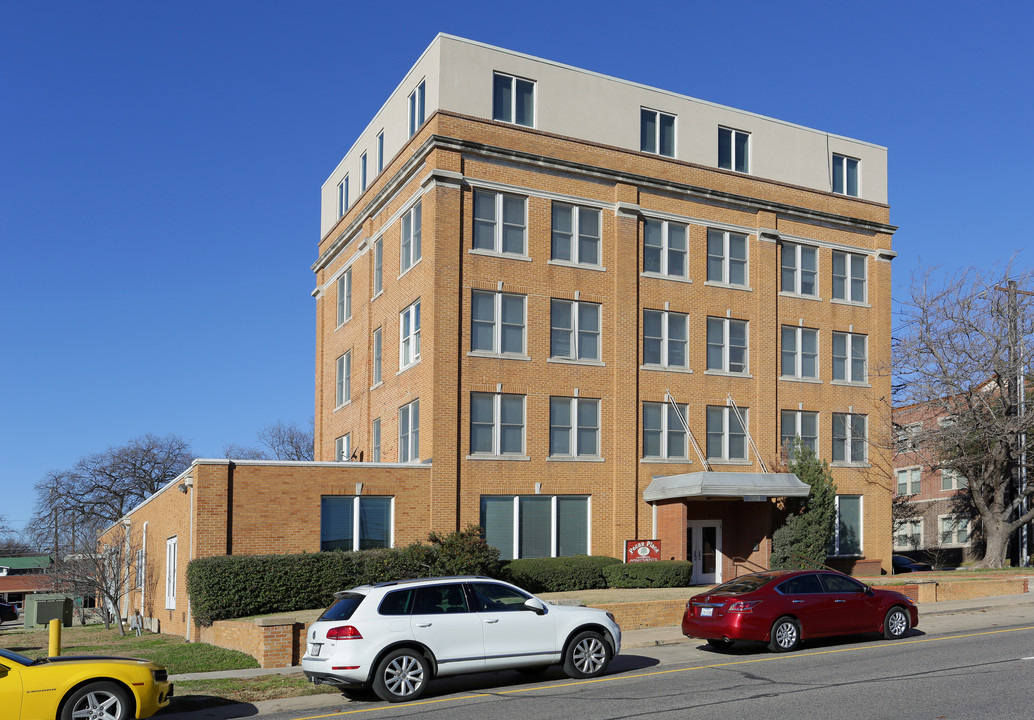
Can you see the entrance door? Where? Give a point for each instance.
(704, 550)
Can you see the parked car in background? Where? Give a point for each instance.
(72, 687)
(903, 564)
(394, 637)
(8, 612)
(784, 607)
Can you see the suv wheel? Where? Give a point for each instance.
(587, 656)
(402, 675)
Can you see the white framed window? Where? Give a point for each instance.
(170, 572)
(665, 336)
(409, 336)
(576, 234)
(953, 531)
(801, 424)
(343, 448)
(799, 269)
(656, 132)
(500, 223)
(574, 427)
(375, 441)
(726, 436)
(362, 173)
(845, 175)
(727, 345)
(849, 438)
(409, 432)
(850, 357)
(342, 197)
(345, 297)
(378, 266)
(799, 353)
(733, 150)
(410, 243)
(847, 532)
(496, 424)
(952, 480)
(726, 257)
(908, 535)
(664, 434)
(513, 100)
(529, 526)
(378, 346)
(344, 379)
(416, 108)
(664, 248)
(351, 522)
(848, 277)
(909, 480)
(574, 332)
(906, 437)
(497, 323)
(140, 567)
(380, 151)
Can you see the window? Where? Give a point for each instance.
(342, 197)
(496, 424)
(848, 277)
(528, 526)
(906, 437)
(726, 257)
(576, 234)
(909, 480)
(733, 150)
(377, 347)
(499, 222)
(951, 480)
(800, 353)
(410, 250)
(799, 424)
(380, 151)
(344, 297)
(574, 427)
(343, 448)
(909, 535)
(727, 345)
(140, 566)
(849, 357)
(849, 438)
(409, 336)
(664, 248)
(416, 109)
(362, 173)
(847, 536)
(350, 522)
(657, 132)
(170, 573)
(378, 266)
(664, 338)
(726, 437)
(375, 441)
(344, 378)
(800, 270)
(574, 332)
(845, 175)
(953, 530)
(664, 434)
(513, 100)
(497, 323)
(409, 432)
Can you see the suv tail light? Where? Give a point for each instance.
(344, 632)
(744, 606)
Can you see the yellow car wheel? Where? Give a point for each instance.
(98, 701)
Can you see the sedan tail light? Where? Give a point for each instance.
(344, 632)
(744, 606)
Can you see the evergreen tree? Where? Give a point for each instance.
(804, 538)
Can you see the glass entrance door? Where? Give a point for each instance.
(704, 550)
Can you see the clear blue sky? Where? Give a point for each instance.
(160, 165)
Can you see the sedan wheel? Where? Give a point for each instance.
(896, 623)
(401, 675)
(98, 701)
(587, 656)
(786, 635)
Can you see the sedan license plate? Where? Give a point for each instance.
(706, 612)
(316, 647)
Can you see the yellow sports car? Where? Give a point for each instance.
(80, 688)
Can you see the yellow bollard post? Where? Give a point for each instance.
(55, 638)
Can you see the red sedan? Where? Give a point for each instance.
(784, 607)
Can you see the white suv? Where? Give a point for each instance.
(396, 636)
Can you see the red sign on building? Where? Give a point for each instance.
(642, 550)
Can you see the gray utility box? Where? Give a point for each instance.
(40, 609)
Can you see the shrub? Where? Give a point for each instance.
(662, 573)
(803, 540)
(580, 572)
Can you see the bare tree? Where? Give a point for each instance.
(288, 442)
(959, 351)
(234, 451)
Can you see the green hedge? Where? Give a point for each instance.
(662, 573)
(559, 574)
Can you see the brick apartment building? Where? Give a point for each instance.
(531, 280)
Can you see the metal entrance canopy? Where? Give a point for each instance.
(709, 484)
